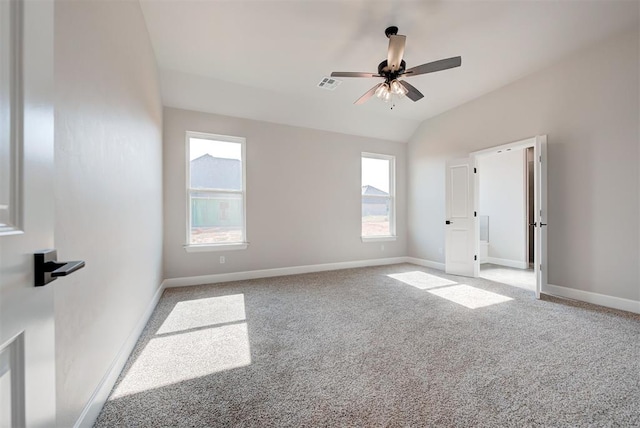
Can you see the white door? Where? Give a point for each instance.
(460, 242)
(541, 214)
(27, 365)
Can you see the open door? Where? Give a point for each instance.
(460, 242)
(541, 213)
(27, 336)
(539, 145)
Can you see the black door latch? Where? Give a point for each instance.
(47, 268)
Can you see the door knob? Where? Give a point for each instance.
(47, 268)
(447, 222)
(533, 224)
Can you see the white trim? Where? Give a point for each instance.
(268, 273)
(521, 144)
(377, 155)
(215, 247)
(594, 298)
(517, 264)
(426, 263)
(101, 393)
(392, 186)
(378, 238)
(243, 154)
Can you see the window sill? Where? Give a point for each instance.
(378, 238)
(215, 247)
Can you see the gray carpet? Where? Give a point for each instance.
(361, 348)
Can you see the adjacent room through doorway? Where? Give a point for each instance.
(506, 216)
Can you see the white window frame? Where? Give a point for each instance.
(391, 197)
(191, 248)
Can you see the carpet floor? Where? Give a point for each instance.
(397, 345)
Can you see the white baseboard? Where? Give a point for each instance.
(425, 263)
(508, 263)
(267, 273)
(595, 298)
(101, 394)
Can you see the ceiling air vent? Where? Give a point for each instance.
(329, 83)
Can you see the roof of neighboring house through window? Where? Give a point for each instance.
(208, 172)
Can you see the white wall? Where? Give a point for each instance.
(502, 198)
(588, 106)
(108, 187)
(303, 196)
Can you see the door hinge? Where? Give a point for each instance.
(540, 268)
(475, 214)
(475, 257)
(540, 158)
(475, 170)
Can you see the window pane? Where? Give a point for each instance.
(375, 173)
(375, 216)
(215, 164)
(216, 218)
(376, 199)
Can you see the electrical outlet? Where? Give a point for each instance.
(222, 260)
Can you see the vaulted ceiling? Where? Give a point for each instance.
(263, 59)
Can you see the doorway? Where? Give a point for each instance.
(462, 225)
(510, 201)
(505, 207)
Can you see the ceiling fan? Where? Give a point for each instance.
(393, 68)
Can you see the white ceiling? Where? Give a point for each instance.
(263, 59)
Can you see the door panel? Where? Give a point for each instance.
(27, 382)
(459, 241)
(459, 230)
(460, 191)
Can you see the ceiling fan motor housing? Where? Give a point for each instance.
(389, 75)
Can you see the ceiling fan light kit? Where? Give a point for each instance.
(394, 67)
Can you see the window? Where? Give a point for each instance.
(216, 192)
(378, 197)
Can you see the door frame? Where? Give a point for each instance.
(538, 143)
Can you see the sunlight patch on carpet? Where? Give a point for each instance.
(198, 338)
(421, 280)
(211, 311)
(176, 358)
(469, 297)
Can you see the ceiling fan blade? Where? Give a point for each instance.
(353, 74)
(396, 51)
(368, 95)
(412, 93)
(430, 67)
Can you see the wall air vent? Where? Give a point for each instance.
(329, 83)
